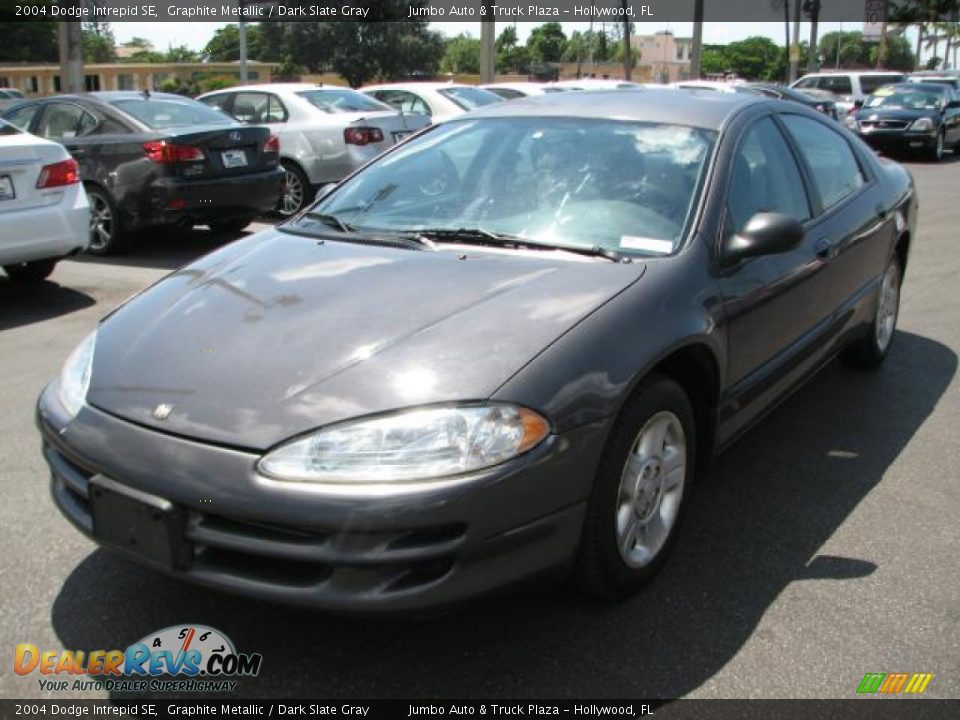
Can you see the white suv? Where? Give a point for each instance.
(849, 86)
(44, 215)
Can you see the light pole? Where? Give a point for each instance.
(487, 40)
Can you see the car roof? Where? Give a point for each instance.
(853, 72)
(704, 110)
(416, 85)
(277, 87)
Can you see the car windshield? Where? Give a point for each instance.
(907, 98)
(172, 113)
(618, 185)
(342, 100)
(469, 98)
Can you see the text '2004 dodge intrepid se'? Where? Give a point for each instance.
(505, 347)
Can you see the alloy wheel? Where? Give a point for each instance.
(651, 488)
(292, 198)
(887, 307)
(101, 222)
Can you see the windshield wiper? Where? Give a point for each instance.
(480, 236)
(329, 220)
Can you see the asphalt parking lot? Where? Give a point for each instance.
(823, 546)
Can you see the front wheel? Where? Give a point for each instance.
(642, 482)
(30, 272)
(870, 350)
(936, 152)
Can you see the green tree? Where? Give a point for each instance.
(853, 51)
(547, 42)
(98, 43)
(461, 55)
(224, 46)
(898, 55)
(181, 54)
(512, 57)
(34, 41)
(755, 58)
(713, 60)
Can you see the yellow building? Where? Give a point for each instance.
(39, 80)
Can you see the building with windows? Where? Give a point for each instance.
(663, 57)
(39, 80)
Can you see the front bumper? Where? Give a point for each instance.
(171, 201)
(345, 554)
(899, 140)
(49, 231)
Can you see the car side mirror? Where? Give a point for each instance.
(323, 191)
(764, 234)
(953, 104)
(858, 103)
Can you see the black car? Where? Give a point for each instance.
(781, 92)
(155, 160)
(914, 116)
(504, 347)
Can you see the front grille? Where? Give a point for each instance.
(884, 124)
(258, 553)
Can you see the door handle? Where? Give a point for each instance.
(826, 250)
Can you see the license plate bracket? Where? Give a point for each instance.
(7, 191)
(234, 158)
(136, 523)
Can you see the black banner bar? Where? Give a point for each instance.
(538, 11)
(858, 709)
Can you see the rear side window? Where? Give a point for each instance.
(836, 172)
(8, 129)
(64, 121)
(869, 83)
(22, 117)
(469, 98)
(810, 82)
(765, 177)
(837, 84)
(219, 102)
(507, 93)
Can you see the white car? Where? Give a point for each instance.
(434, 100)
(848, 86)
(325, 132)
(513, 90)
(44, 215)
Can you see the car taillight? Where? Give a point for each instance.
(65, 172)
(161, 151)
(272, 145)
(362, 135)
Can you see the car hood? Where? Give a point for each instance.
(277, 334)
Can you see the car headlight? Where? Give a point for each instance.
(851, 122)
(922, 125)
(412, 445)
(75, 375)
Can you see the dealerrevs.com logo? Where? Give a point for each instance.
(894, 683)
(181, 658)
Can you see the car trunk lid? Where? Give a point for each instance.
(22, 158)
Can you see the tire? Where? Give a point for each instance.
(936, 152)
(107, 236)
(30, 272)
(231, 225)
(296, 190)
(652, 446)
(869, 351)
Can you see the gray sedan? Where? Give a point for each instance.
(325, 132)
(505, 348)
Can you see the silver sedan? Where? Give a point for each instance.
(325, 132)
